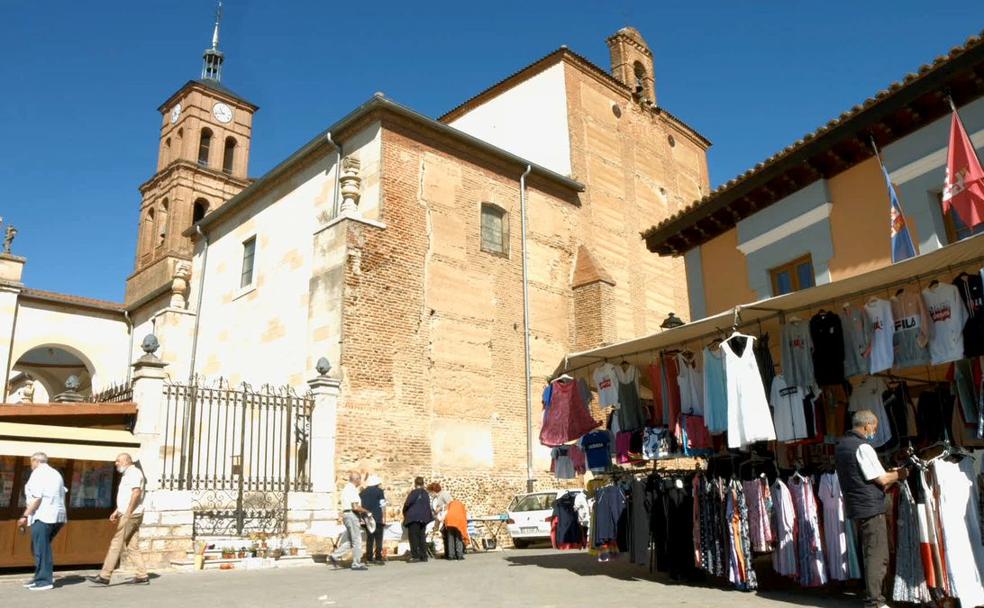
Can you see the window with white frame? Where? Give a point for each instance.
(495, 229)
(249, 259)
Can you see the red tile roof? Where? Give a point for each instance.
(62, 298)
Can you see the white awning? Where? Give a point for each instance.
(941, 264)
(17, 439)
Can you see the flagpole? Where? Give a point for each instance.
(892, 195)
(953, 107)
(874, 146)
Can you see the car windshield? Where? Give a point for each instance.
(532, 502)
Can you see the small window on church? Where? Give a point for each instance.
(229, 155)
(167, 150)
(640, 76)
(203, 145)
(199, 210)
(162, 224)
(495, 229)
(249, 256)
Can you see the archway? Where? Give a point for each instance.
(51, 365)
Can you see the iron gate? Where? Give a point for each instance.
(239, 452)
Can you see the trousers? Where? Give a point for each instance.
(874, 546)
(374, 544)
(125, 541)
(454, 545)
(44, 563)
(418, 542)
(351, 540)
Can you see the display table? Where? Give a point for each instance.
(492, 525)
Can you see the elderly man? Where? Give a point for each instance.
(45, 513)
(863, 481)
(351, 507)
(128, 517)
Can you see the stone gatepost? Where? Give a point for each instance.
(148, 394)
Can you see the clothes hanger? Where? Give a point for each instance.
(933, 283)
(900, 292)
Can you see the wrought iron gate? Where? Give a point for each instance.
(239, 452)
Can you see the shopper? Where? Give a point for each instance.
(416, 515)
(455, 531)
(128, 516)
(863, 482)
(440, 499)
(351, 506)
(373, 501)
(45, 513)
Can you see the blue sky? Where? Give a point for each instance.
(82, 81)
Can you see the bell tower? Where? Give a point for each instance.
(632, 63)
(203, 160)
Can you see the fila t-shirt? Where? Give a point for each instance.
(882, 329)
(949, 315)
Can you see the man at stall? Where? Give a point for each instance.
(863, 482)
(128, 517)
(46, 514)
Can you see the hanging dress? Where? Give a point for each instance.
(749, 419)
(568, 417)
(910, 578)
(834, 528)
(715, 392)
(784, 559)
(960, 520)
(812, 571)
(630, 414)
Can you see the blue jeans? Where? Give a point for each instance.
(41, 537)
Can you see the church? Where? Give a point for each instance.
(391, 244)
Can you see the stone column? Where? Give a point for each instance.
(148, 394)
(324, 425)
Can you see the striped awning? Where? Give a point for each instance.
(18, 439)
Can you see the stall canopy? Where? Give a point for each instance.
(18, 439)
(938, 264)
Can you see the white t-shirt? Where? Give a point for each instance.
(882, 329)
(949, 315)
(606, 381)
(790, 417)
(132, 478)
(350, 496)
(868, 396)
(46, 483)
(871, 467)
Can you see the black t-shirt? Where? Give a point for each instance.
(828, 348)
(971, 289)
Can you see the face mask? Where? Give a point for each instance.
(120, 470)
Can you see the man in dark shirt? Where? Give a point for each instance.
(373, 501)
(863, 482)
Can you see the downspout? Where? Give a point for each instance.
(10, 351)
(198, 306)
(129, 351)
(526, 333)
(335, 206)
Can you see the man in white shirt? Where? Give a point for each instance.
(351, 507)
(45, 513)
(128, 517)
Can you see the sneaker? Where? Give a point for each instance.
(98, 580)
(360, 567)
(41, 587)
(29, 584)
(140, 580)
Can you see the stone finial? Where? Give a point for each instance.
(323, 366)
(71, 393)
(350, 182)
(150, 345)
(27, 395)
(8, 239)
(179, 285)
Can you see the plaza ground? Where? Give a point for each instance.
(539, 578)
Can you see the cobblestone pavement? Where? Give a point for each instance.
(537, 578)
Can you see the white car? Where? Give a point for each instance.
(529, 516)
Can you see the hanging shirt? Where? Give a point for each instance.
(785, 558)
(596, 446)
(787, 403)
(691, 387)
(857, 340)
(971, 289)
(562, 465)
(631, 416)
(607, 384)
(912, 328)
(868, 396)
(568, 417)
(797, 354)
(748, 409)
(715, 392)
(827, 335)
(949, 315)
(882, 327)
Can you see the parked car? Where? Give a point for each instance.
(529, 516)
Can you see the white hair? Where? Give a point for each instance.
(40, 457)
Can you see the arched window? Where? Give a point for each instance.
(147, 233)
(229, 155)
(161, 232)
(167, 151)
(203, 145)
(199, 210)
(640, 76)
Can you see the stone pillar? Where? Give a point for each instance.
(11, 270)
(148, 394)
(324, 425)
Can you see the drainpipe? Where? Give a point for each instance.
(10, 351)
(526, 333)
(129, 352)
(198, 306)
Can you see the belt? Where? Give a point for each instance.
(347, 511)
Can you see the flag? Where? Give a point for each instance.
(963, 190)
(902, 247)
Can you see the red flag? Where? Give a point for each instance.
(963, 189)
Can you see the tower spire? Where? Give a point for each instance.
(213, 58)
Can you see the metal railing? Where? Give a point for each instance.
(115, 393)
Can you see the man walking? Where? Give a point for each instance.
(373, 501)
(352, 540)
(863, 481)
(45, 513)
(128, 517)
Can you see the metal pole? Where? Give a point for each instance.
(526, 333)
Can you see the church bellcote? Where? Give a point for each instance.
(632, 63)
(212, 64)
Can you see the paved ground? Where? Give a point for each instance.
(538, 578)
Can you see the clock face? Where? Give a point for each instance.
(175, 112)
(222, 112)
